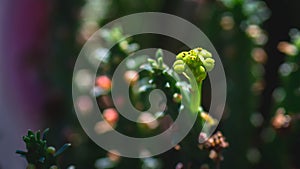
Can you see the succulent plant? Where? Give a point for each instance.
(39, 155)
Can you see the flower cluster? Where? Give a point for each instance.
(216, 143)
(281, 119)
(198, 60)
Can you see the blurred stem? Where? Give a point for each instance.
(218, 162)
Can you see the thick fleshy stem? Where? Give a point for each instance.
(195, 103)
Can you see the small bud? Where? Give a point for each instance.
(123, 45)
(178, 62)
(53, 167)
(199, 49)
(179, 66)
(116, 34)
(51, 150)
(213, 155)
(209, 64)
(281, 119)
(202, 69)
(193, 58)
(194, 52)
(205, 53)
(177, 97)
(181, 55)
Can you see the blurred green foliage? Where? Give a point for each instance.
(235, 28)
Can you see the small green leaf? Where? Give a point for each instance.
(45, 133)
(38, 135)
(22, 153)
(51, 150)
(32, 137)
(30, 133)
(62, 149)
(160, 62)
(26, 139)
(159, 54)
(42, 159)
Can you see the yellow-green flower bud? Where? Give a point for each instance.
(123, 45)
(179, 62)
(53, 167)
(51, 150)
(205, 53)
(201, 73)
(179, 66)
(181, 55)
(177, 97)
(194, 52)
(198, 49)
(202, 69)
(199, 61)
(209, 64)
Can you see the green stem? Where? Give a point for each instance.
(195, 104)
(195, 96)
(200, 92)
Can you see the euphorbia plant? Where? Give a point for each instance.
(153, 74)
(194, 64)
(39, 155)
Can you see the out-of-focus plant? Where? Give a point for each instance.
(215, 144)
(288, 94)
(235, 28)
(97, 12)
(39, 155)
(286, 118)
